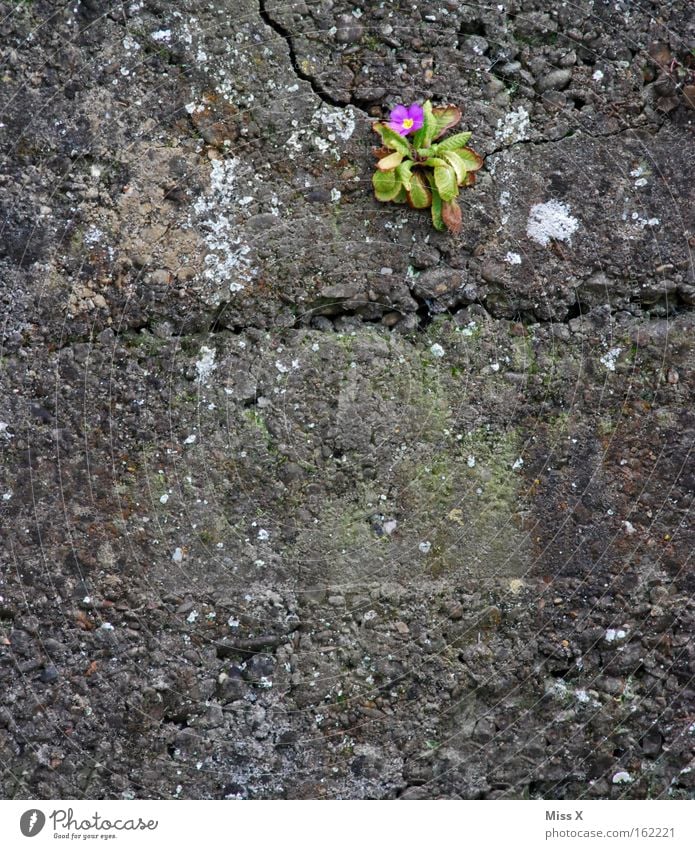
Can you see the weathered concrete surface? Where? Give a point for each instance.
(299, 497)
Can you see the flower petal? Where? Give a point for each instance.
(398, 114)
(416, 115)
(415, 111)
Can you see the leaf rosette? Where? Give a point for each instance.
(427, 170)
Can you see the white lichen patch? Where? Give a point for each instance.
(228, 260)
(206, 364)
(610, 358)
(514, 127)
(328, 128)
(340, 122)
(551, 220)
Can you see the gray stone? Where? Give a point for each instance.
(555, 80)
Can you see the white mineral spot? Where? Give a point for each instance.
(470, 461)
(263, 534)
(518, 463)
(597, 75)
(177, 556)
(280, 367)
(629, 527)
(610, 358)
(7, 495)
(425, 546)
(192, 616)
(390, 526)
(512, 258)
(551, 220)
(93, 236)
(514, 127)
(436, 350)
(130, 45)
(163, 498)
(232, 622)
(106, 626)
(161, 35)
(622, 778)
(189, 440)
(206, 364)
(613, 634)
(335, 195)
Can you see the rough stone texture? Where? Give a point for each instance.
(301, 498)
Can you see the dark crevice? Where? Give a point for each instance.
(474, 26)
(320, 91)
(424, 313)
(670, 305)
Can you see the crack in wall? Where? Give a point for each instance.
(320, 91)
(571, 134)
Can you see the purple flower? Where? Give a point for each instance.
(406, 119)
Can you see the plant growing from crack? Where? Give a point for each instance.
(422, 173)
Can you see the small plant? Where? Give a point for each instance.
(419, 172)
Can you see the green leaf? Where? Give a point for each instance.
(457, 140)
(445, 181)
(401, 197)
(386, 185)
(458, 165)
(419, 195)
(403, 173)
(472, 160)
(423, 137)
(445, 117)
(388, 163)
(435, 162)
(392, 139)
(437, 210)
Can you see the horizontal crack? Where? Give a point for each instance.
(569, 135)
